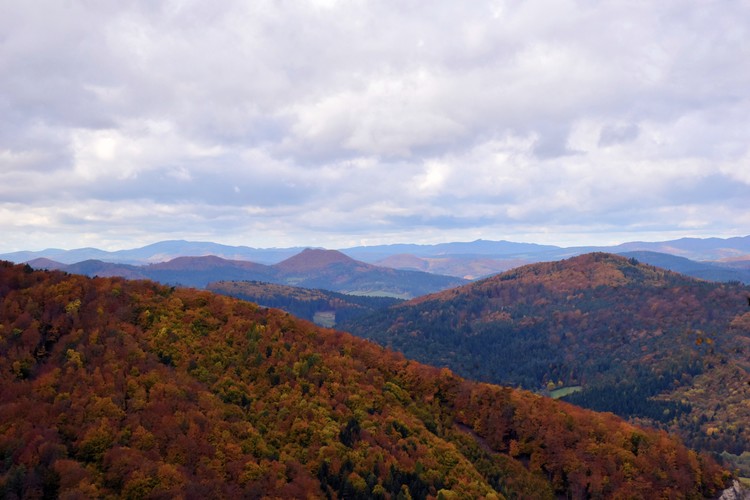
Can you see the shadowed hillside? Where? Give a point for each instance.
(320, 306)
(132, 389)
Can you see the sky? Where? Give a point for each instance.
(343, 123)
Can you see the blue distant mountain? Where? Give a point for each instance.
(718, 259)
(310, 268)
(157, 252)
(709, 271)
(473, 248)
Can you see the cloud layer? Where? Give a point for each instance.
(279, 123)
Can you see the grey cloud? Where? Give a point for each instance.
(617, 134)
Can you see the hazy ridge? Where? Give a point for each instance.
(723, 259)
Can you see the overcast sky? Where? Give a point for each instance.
(340, 123)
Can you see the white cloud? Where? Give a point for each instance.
(408, 121)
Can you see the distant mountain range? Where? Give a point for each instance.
(722, 259)
(714, 259)
(157, 252)
(737, 270)
(310, 268)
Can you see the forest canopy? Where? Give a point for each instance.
(133, 389)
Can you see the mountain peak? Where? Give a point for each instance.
(572, 275)
(45, 263)
(583, 271)
(314, 258)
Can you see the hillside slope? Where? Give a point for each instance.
(621, 331)
(132, 389)
(319, 306)
(332, 270)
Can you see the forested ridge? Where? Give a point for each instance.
(115, 388)
(640, 341)
(305, 303)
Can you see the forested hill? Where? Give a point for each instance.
(323, 307)
(621, 331)
(132, 389)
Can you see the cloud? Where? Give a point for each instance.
(617, 133)
(332, 122)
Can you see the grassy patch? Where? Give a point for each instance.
(564, 391)
(325, 318)
(378, 293)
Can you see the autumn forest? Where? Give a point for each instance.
(117, 388)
